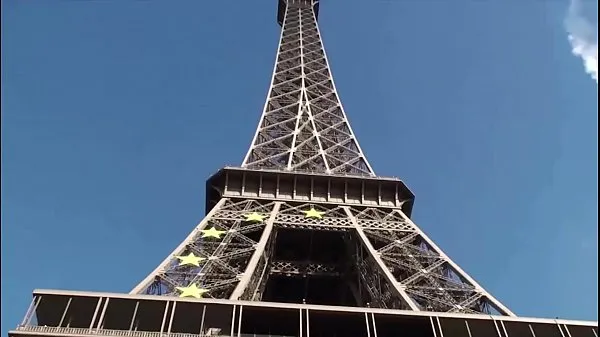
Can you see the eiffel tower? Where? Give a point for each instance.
(302, 240)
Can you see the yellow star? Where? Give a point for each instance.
(213, 232)
(190, 259)
(191, 291)
(313, 213)
(255, 217)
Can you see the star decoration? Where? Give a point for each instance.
(191, 291)
(212, 233)
(190, 259)
(255, 217)
(313, 213)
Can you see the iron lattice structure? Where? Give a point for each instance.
(303, 126)
(302, 240)
(305, 219)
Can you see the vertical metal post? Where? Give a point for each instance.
(503, 328)
(239, 328)
(560, 329)
(301, 327)
(433, 326)
(496, 326)
(172, 316)
(65, 312)
(362, 192)
(531, 329)
(243, 183)
(95, 313)
(367, 324)
(278, 184)
(468, 328)
(307, 324)
(439, 324)
(374, 325)
(31, 310)
(295, 179)
(101, 320)
(202, 321)
(232, 320)
(162, 325)
(134, 316)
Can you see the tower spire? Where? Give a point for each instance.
(303, 126)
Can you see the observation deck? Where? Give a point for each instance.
(72, 313)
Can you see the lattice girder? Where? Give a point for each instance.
(224, 259)
(304, 269)
(303, 126)
(424, 273)
(398, 266)
(306, 212)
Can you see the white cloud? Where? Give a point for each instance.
(582, 26)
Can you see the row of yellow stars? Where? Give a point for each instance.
(311, 213)
(255, 217)
(215, 233)
(192, 290)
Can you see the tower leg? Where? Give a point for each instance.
(382, 269)
(258, 259)
(211, 259)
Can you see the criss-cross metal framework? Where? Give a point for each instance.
(303, 126)
(303, 129)
(302, 240)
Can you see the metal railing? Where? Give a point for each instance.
(50, 330)
(316, 172)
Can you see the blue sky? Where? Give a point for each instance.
(114, 114)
